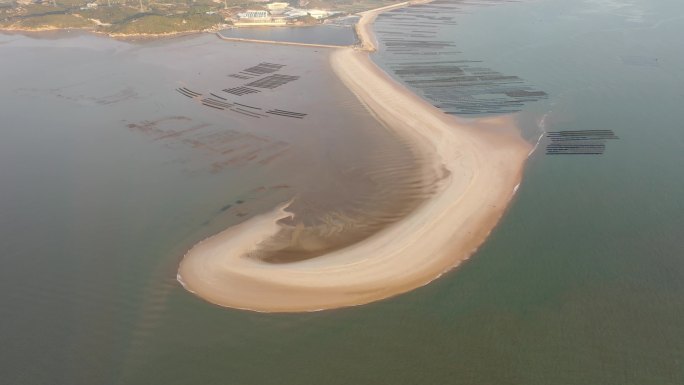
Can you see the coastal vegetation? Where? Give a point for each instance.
(55, 21)
(146, 17)
(159, 24)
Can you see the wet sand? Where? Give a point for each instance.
(481, 162)
(364, 28)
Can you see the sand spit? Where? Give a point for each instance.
(364, 27)
(483, 158)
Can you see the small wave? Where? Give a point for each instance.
(542, 126)
(180, 280)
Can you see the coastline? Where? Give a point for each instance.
(115, 36)
(483, 166)
(364, 27)
(214, 30)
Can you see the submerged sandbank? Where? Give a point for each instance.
(482, 167)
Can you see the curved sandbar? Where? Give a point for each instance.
(484, 159)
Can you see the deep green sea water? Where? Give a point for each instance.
(581, 283)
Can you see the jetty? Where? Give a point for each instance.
(243, 40)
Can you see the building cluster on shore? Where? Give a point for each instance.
(279, 13)
(124, 19)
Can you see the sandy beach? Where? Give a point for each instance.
(482, 161)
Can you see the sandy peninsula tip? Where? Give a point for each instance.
(483, 168)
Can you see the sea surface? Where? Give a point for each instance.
(109, 174)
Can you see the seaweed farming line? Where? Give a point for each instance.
(214, 95)
(241, 108)
(414, 39)
(184, 93)
(264, 68)
(582, 135)
(272, 81)
(190, 91)
(240, 76)
(216, 102)
(580, 142)
(239, 91)
(209, 105)
(245, 112)
(257, 70)
(187, 92)
(244, 105)
(214, 147)
(288, 114)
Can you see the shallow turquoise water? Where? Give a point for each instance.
(581, 283)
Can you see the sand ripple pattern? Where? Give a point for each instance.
(376, 192)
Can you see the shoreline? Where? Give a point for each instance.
(484, 168)
(213, 30)
(115, 36)
(364, 27)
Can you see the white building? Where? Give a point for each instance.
(296, 13)
(315, 13)
(318, 13)
(258, 15)
(277, 6)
